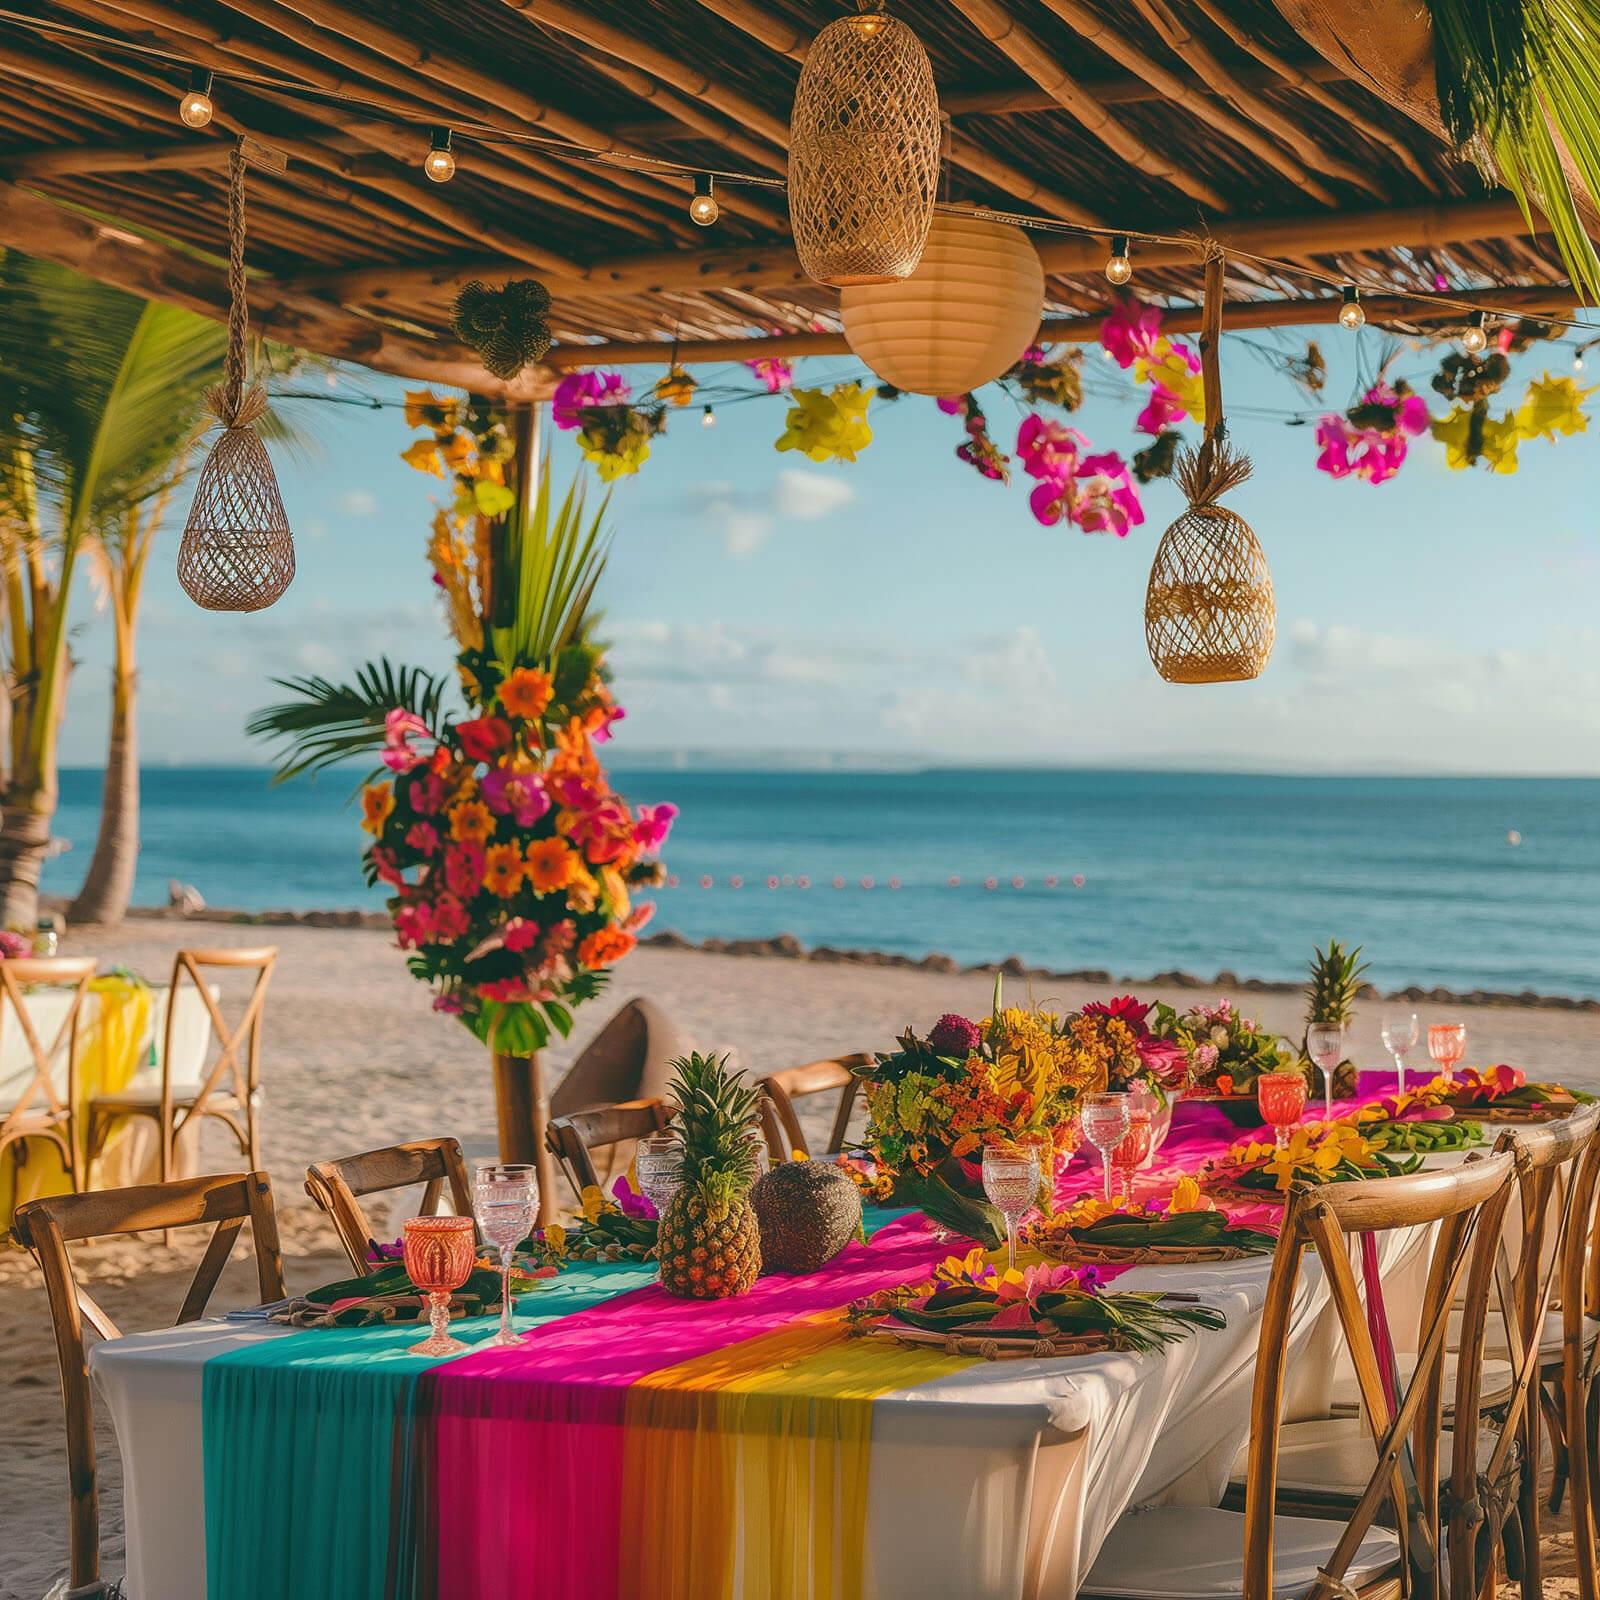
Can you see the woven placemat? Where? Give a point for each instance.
(986, 1347)
(1074, 1253)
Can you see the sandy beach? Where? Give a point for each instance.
(354, 1058)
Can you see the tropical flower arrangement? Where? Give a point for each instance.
(1125, 1037)
(970, 1296)
(1500, 1085)
(1227, 1051)
(511, 863)
(1317, 1153)
(619, 1228)
(1188, 1219)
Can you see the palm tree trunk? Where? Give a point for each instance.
(24, 841)
(108, 885)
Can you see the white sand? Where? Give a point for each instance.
(354, 1058)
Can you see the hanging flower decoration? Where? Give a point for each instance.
(1171, 368)
(828, 425)
(582, 391)
(1158, 459)
(1553, 406)
(617, 438)
(676, 389)
(776, 373)
(1046, 380)
(1470, 435)
(1370, 440)
(978, 449)
(1095, 492)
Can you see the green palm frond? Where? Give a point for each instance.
(556, 562)
(328, 723)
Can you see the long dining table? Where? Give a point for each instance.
(638, 1446)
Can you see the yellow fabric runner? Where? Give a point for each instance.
(111, 1037)
(759, 1454)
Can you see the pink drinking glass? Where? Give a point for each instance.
(440, 1253)
(1447, 1043)
(1131, 1152)
(1281, 1097)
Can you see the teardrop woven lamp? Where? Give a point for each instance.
(863, 151)
(237, 552)
(961, 319)
(1209, 613)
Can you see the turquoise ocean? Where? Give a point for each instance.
(1196, 872)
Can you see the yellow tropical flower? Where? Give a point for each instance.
(425, 409)
(1552, 406)
(1496, 442)
(1186, 1196)
(377, 801)
(828, 425)
(555, 1237)
(592, 1202)
(423, 454)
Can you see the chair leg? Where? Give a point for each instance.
(1558, 1447)
(1527, 1513)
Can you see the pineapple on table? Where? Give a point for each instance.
(709, 1241)
(1335, 979)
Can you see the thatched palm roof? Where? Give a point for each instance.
(575, 119)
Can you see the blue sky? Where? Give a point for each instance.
(901, 608)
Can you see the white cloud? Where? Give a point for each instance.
(358, 503)
(746, 518)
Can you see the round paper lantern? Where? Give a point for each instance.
(863, 152)
(961, 319)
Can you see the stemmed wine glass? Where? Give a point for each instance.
(1011, 1181)
(658, 1165)
(439, 1256)
(1447, 1043)
(1104, 1122)
(1282, 1099)
(1400, 1034)
(1131, 1150)
(1325, 1045)
(505, 1196)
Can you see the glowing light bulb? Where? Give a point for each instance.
(1475, 340)
(195, 110)
(1119, 268)
(704, 209)
(440, 162)
(1577, 362)
(708, 418)
(1351, 314)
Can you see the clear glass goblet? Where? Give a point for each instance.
(505, 1196)
(658, 1165)
(1104, 1122)
(1400, 1035)
(1325, 1046)
(1011, 1181)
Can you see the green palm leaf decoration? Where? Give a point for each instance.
(327, 723)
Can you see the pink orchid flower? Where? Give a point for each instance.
(1047, 449)
(1131, 331)
(776, 373)
(613, 716)
(580, 391)
(1107, 501)
(653, 825)
(519, 795)
(400, 727)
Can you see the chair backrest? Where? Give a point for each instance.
(337, 1186)
(781, 1124)
(41, 1092)
(48, 1226)
(573, 1137)
(1466, 1206)
(227, 1073)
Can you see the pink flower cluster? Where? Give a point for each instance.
(579, 391)
(1371, 448)
(1094, 491)
(1132, 336)
(776, 373)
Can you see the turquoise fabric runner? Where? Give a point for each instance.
(307, 1471)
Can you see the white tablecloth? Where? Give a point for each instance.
(959, 1468)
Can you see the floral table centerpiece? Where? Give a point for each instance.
(975, 1307)
(1316, 1153)
(1500, 1091)
(1227, 1051)
(1187, 1227)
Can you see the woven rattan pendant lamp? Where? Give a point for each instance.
(1209, 615)
(237, 552)
(863, 150)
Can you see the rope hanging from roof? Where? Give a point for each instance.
(1209, 615)
(237, 552)
(864, 140)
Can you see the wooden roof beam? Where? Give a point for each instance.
(111, 255)
(1538, 299)
(58, 160)
(690, 80)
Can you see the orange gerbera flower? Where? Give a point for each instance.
(377, 801)
(472, 819)
(551, 864)
(526, 692)
(502, 870)
(604, 946)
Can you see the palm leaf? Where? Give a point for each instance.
(329, 723)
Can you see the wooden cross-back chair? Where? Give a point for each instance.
(41, 1111)
(572, 1138)
(46, 1227)
(1160, 1553)
(780, 1122)
(230, 1090)
(338, 1187)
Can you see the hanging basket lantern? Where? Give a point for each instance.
(237, 552)
(863, 151)
(1209, 615)
(961, 319)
